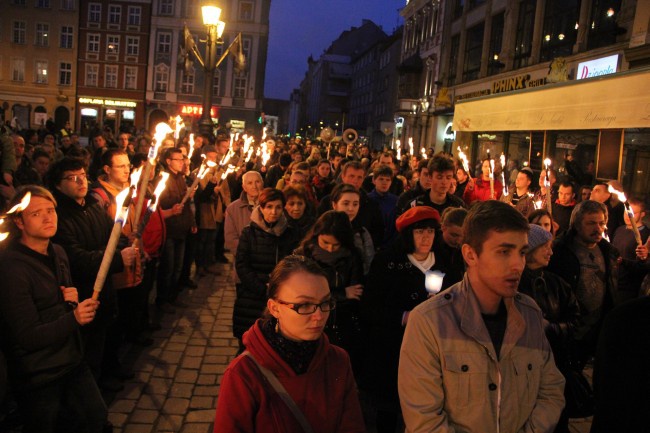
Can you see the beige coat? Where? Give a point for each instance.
(213, 210)
(450, 379)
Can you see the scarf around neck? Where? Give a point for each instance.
(424, 265)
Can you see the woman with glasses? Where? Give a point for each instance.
(397, 283)
(262, 244)
(287, 345)
(556, 300)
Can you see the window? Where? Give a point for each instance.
(41, 71)
(135, 15)
(246, 48)
(114, 14)
(524, 33)
(42, 34)
(132, 46)
(192, 9)
(239, 87)
(42, 3)
(110, 76)
(164, 43)
(559, 33)
(216, 83)
(453, 60)
(161, 78)
(92, 72)
(112, 44)
(19, 32)
(92, 42)
(65, 74)
(496, 39)
(94, 12)
(18, 2)
(603, 28)
(18, 69)
(66, 37)
(166, 7)
(459, 5)
(67, 5)
(473, 49)
(130, 77)
(187, 81)
(245, 11)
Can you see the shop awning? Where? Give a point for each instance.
(613, 101)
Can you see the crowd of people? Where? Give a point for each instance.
(452, 302)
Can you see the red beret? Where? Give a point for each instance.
(415, 214)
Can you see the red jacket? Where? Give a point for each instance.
(481, 191)
(326, 394)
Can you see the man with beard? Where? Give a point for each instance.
(475, 357)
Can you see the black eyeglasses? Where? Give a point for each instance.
(75, 178)
(309, 308)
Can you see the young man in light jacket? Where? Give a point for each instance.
(475, 358)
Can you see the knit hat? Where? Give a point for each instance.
(537, 236)
(416, 214)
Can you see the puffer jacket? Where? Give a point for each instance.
(260, 248)
(451, 380)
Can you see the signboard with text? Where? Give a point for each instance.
(595, 68)
(197, 110)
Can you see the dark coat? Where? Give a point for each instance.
(83, 232)
(177, 225)
(259, 250)
(40, 335)
(369, 216)
(450, 261)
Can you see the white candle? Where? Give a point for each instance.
(433, 281)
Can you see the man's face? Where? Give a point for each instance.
(585, 193)
(119, 170)
(452, 235)
(461, 176)
(65, 142)
(441, 181)
(522, 181)
(387, 160)
(41, 165)
(599, 194)
(590, 230)
(336, 161)
(123, 141)
(638, 215)
(425, 178)
(353, 177)
(565, 195)
(99, 141)
(39, 220)
(49, 140)
(222, 147)
(382, 183)
(497, 269)
(297, 178)
(365, 152)
(211, 156)
(19, 146)
(175, 162)
(74, 184)
(252, 186)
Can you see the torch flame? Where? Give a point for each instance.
(160, 187)
(411, 146)
(491, 169)
(120, 201)
(424, 153)
(538, 204)
(189, 156)
(162, 129)
(231, 168)
(135, 179)
(179, 125)
(399, 152)
(22, 205)
(3, 236)
(619, 194)
(463, 158)
(264, 133)
(547, 163)
(503, 161)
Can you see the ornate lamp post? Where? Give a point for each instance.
(209, 62)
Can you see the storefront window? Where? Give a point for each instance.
(473, 49)
(559, 34)
(524, 40)
(603, 26)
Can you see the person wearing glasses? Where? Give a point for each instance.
(396, 285)
(557, 302)
(288, 343)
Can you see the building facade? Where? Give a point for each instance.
(172, 90)
(38, 68)
(112, 64)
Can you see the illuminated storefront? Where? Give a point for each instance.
(118, 114)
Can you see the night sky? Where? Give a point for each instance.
(299, 28)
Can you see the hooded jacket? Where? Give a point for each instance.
(326, 394)
(451, 380)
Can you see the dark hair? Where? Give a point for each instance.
(382, 170)
(55, 173)
(324, 161)
(568, 184)
(586, 207)
(286, 268)
(441, 163)
(170, 151)
(270, 194)
(295, 191)
(341, 189)
(351, 165)
(332, 223)
(107, 157)
(491, 215)
(579, 194)
(637, 202)
(406, 236)
(40, 153)
(388, 154)
(453, 216)
(537, 214)
(285, 160)
(424, 163)
(334, 154)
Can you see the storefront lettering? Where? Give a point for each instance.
(197, 110)
(593, 117)
(108, 102)
(475, 94)
(513, 83)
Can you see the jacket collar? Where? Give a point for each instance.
(277, 229)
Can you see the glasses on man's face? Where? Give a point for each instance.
(309, 308)
(420, 232)
(75, 178)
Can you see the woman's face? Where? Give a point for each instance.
(271, 211)
(300, 288)
(348, 203)
(295, 207)
(423, 240)
(329, 243)
(544, 222)
(324, 170)
(541, 255)
(486, 168)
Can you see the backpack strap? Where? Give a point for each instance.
(284, 395)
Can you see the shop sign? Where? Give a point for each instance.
(509, 84)
(197, 110)
(238, 125)
(594, 68)
(108, 102)
(449, 134)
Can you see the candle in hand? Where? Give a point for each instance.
(433, 281)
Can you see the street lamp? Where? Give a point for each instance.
(209, 62)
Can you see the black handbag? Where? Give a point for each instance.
(579, 394)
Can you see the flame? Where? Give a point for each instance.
(463, 158)
(264, 133)
(3, 236)
(206, 168)
(250, 154)
(503, 161)
(121, 205)
(160, 187)
(399, 152)
(178, 126)
(619, 194)
(189, 156)
(22, 205)
(248, 141)
(411, 146)
(231, 168)
(538, 204)
(162, 129)
(424, 153)
(265, 154)
(491, 169)
(135, 179)
(547, 163)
